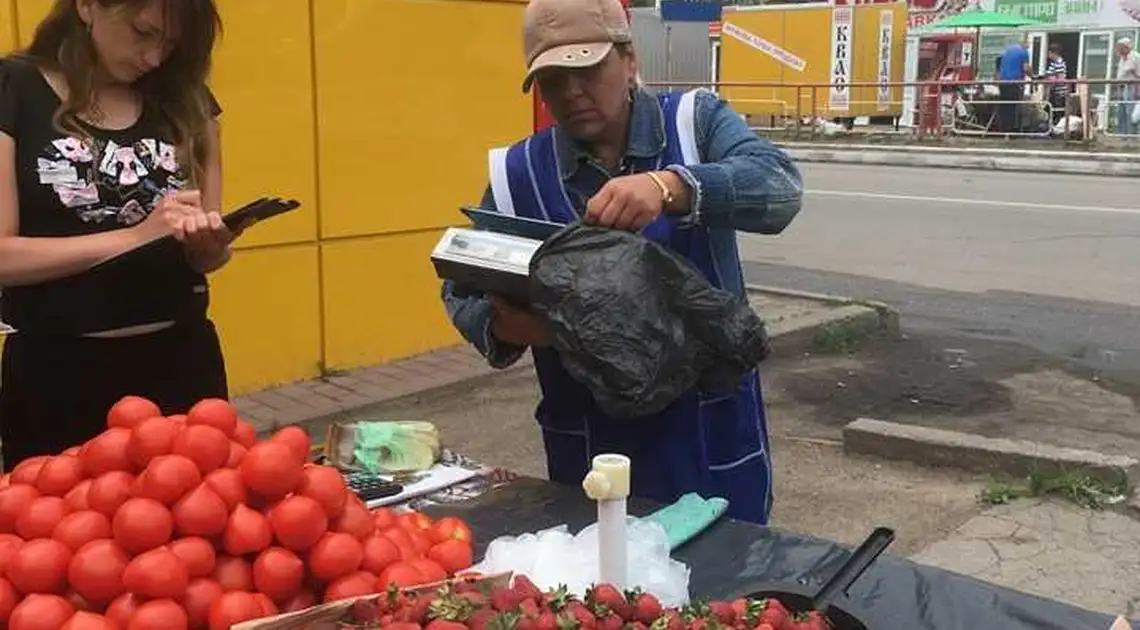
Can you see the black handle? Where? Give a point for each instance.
(851, 570)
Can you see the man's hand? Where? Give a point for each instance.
(518, 326)
(630, 202)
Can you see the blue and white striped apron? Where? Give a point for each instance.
(711, 444)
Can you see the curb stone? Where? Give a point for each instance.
(967, 159)
(1017, 458)
(848, 318)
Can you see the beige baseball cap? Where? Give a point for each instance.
(571, 33)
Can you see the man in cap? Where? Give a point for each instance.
(686, 171)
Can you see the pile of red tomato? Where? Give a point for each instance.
(191, 522)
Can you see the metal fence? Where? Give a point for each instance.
(669, 52)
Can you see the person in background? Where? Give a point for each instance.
(108, 139)
(1057, 74)
(1012, 71)
(686, 171)
(1128, 80)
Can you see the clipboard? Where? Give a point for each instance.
(515, 226)
(240, 219)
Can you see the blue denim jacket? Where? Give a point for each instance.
(742, 183)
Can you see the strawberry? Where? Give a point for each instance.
(698, 624)
(723, 613)
(635, 625)
(480, 619)
(764, 626)
(610, 597)
(585, 618)
(525, 589)
(669, 620)
(528, 607)
(646, 608)
(545, 621)
(443, 624)
(504, 599)
(774, 614)
(609, 621)
(365, 610)
(403, 625)
(475, 598)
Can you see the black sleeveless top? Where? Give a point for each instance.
(68, 187)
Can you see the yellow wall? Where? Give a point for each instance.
(375, 115)
(804, 31)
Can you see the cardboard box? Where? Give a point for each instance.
(338, 615)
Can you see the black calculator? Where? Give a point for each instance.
(370, 486)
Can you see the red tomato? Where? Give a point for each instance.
(84, 620)
(9, 545)
(150, 439)
(200, 593)
(201, 512)
(14, 500)
(278, 573)
(106, 452)
(40, 612)
(159, 614)
(79, 528)
(297, 440)
(335, 555)
(233, 608)
(123, 608)
(453, 555)
(76, 498)
(415, 521)
(229, 486)
(325, 485)
(268, 608)
(430, 569)
(204, 445)
(271, 470)
(157, 574)
(234, 574)
(237, 454)
(40, 566)
(245, 434)
(298, 522)
(383, 518)
(109, 491)
(450, 527)
(8, 599)
(168, 478)
(216, 413)
(197, 554)
(351, 585)
(248, 531)
(96, 571)
(354, 520)
(28, 470)
(300, 601)
(41, 517)
(379, 552)
(402, 574)
(130, 411)
(59, 475)
(141, 525)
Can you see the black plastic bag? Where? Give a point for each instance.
(636, 323)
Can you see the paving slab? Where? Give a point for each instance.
(1051, 549)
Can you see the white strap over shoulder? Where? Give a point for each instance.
(500, 183)
(687, 127)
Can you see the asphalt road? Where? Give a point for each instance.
(1047, 261)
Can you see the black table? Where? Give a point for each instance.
(734, 558)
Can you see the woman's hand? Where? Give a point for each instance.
(632, 202)
(518, 326)
(204, 235)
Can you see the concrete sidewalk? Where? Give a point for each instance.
(796, 321)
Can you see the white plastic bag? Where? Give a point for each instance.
(554, 557)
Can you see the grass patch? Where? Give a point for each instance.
(844, 337)
(1080, 488)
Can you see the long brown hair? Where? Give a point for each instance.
(176, 89)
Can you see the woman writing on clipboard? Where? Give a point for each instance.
(108, 139)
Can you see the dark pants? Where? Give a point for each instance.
(1009, 109)
(55, 391)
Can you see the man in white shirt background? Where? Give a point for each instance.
(1128, 77)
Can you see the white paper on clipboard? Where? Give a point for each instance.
(436, 478)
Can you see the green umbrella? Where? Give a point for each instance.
(977, 18)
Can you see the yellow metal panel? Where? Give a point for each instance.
(28, 16)
(268, 139)
(411, 94)
(808, 30)
(743, 62)
(266, 303)
(382, 299)
(7, 26)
